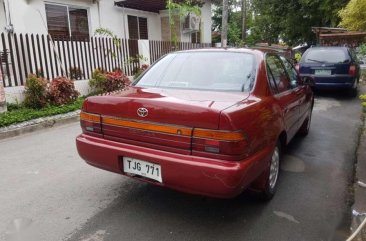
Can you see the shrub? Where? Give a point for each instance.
(76, 73)
(35, 92)
(116, 81)
(40, 73)
(363, 100)
(140, 70)
(104, 82)
(62, 91)
(98, 81)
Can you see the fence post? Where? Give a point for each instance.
(144, 51)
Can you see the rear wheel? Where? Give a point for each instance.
(354, 91)
(274, 169)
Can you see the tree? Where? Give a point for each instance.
(243, 19)
(181, 9)
(224, 25)
(291, 21)
(353, 16)
(234, 22)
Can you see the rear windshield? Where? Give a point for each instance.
(326, 56)
(221, 71)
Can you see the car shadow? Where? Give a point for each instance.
(339, 94)
(163, 208)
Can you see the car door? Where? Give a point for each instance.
(284, 94)
(298, 88)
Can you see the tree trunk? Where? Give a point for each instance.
(243, 19)
(225, 16)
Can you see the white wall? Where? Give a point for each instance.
(115, 18)
(2, 16)
(206, 22)
(29, 16)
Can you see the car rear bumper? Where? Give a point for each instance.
(333, 82)
(186, 173)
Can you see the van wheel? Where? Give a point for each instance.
(273, 172)
(354, 91)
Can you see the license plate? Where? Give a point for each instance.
(142, 168)
(323, 72)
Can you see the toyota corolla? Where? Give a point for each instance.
(210, 122)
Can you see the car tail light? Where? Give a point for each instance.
(90, 122)
(219, 142)
(352, 70)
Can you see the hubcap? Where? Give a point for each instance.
(275, 164)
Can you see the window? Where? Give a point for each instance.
(202, 71)
(137, 27)
(326, 55)
(277, 73)
(292, 73)
(67, 22)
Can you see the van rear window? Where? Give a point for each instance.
(326, 56)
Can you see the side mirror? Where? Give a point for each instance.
(307, 80)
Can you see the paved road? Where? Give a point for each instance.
(49, 193)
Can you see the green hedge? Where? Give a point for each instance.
(18, 113)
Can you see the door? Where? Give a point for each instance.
(298, 88)
(287, 97)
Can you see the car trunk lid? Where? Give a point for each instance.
(160, 118)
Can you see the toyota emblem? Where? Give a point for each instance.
(142, 112)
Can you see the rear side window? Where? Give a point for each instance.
(292, 73)
(277, 74)
(326, 55)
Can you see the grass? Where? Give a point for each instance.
(19, 113)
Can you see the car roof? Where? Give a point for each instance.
(233, 50)
(327, 47)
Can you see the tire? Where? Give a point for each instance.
(354, 91)
(305, 127)
(272, 177)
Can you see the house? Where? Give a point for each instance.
(129, 19)
(144, 26)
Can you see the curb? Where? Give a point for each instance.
(359, 191)
(359, 206)
(41, 123)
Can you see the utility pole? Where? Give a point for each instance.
(243, 19)
(224, 27)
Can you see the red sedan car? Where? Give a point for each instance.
(210, 122)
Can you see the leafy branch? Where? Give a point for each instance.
(181, 9)
(105, 32)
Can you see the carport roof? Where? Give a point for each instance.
(148, 5)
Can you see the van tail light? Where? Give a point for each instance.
(219, 142)
(352, 70)
(90, 122)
